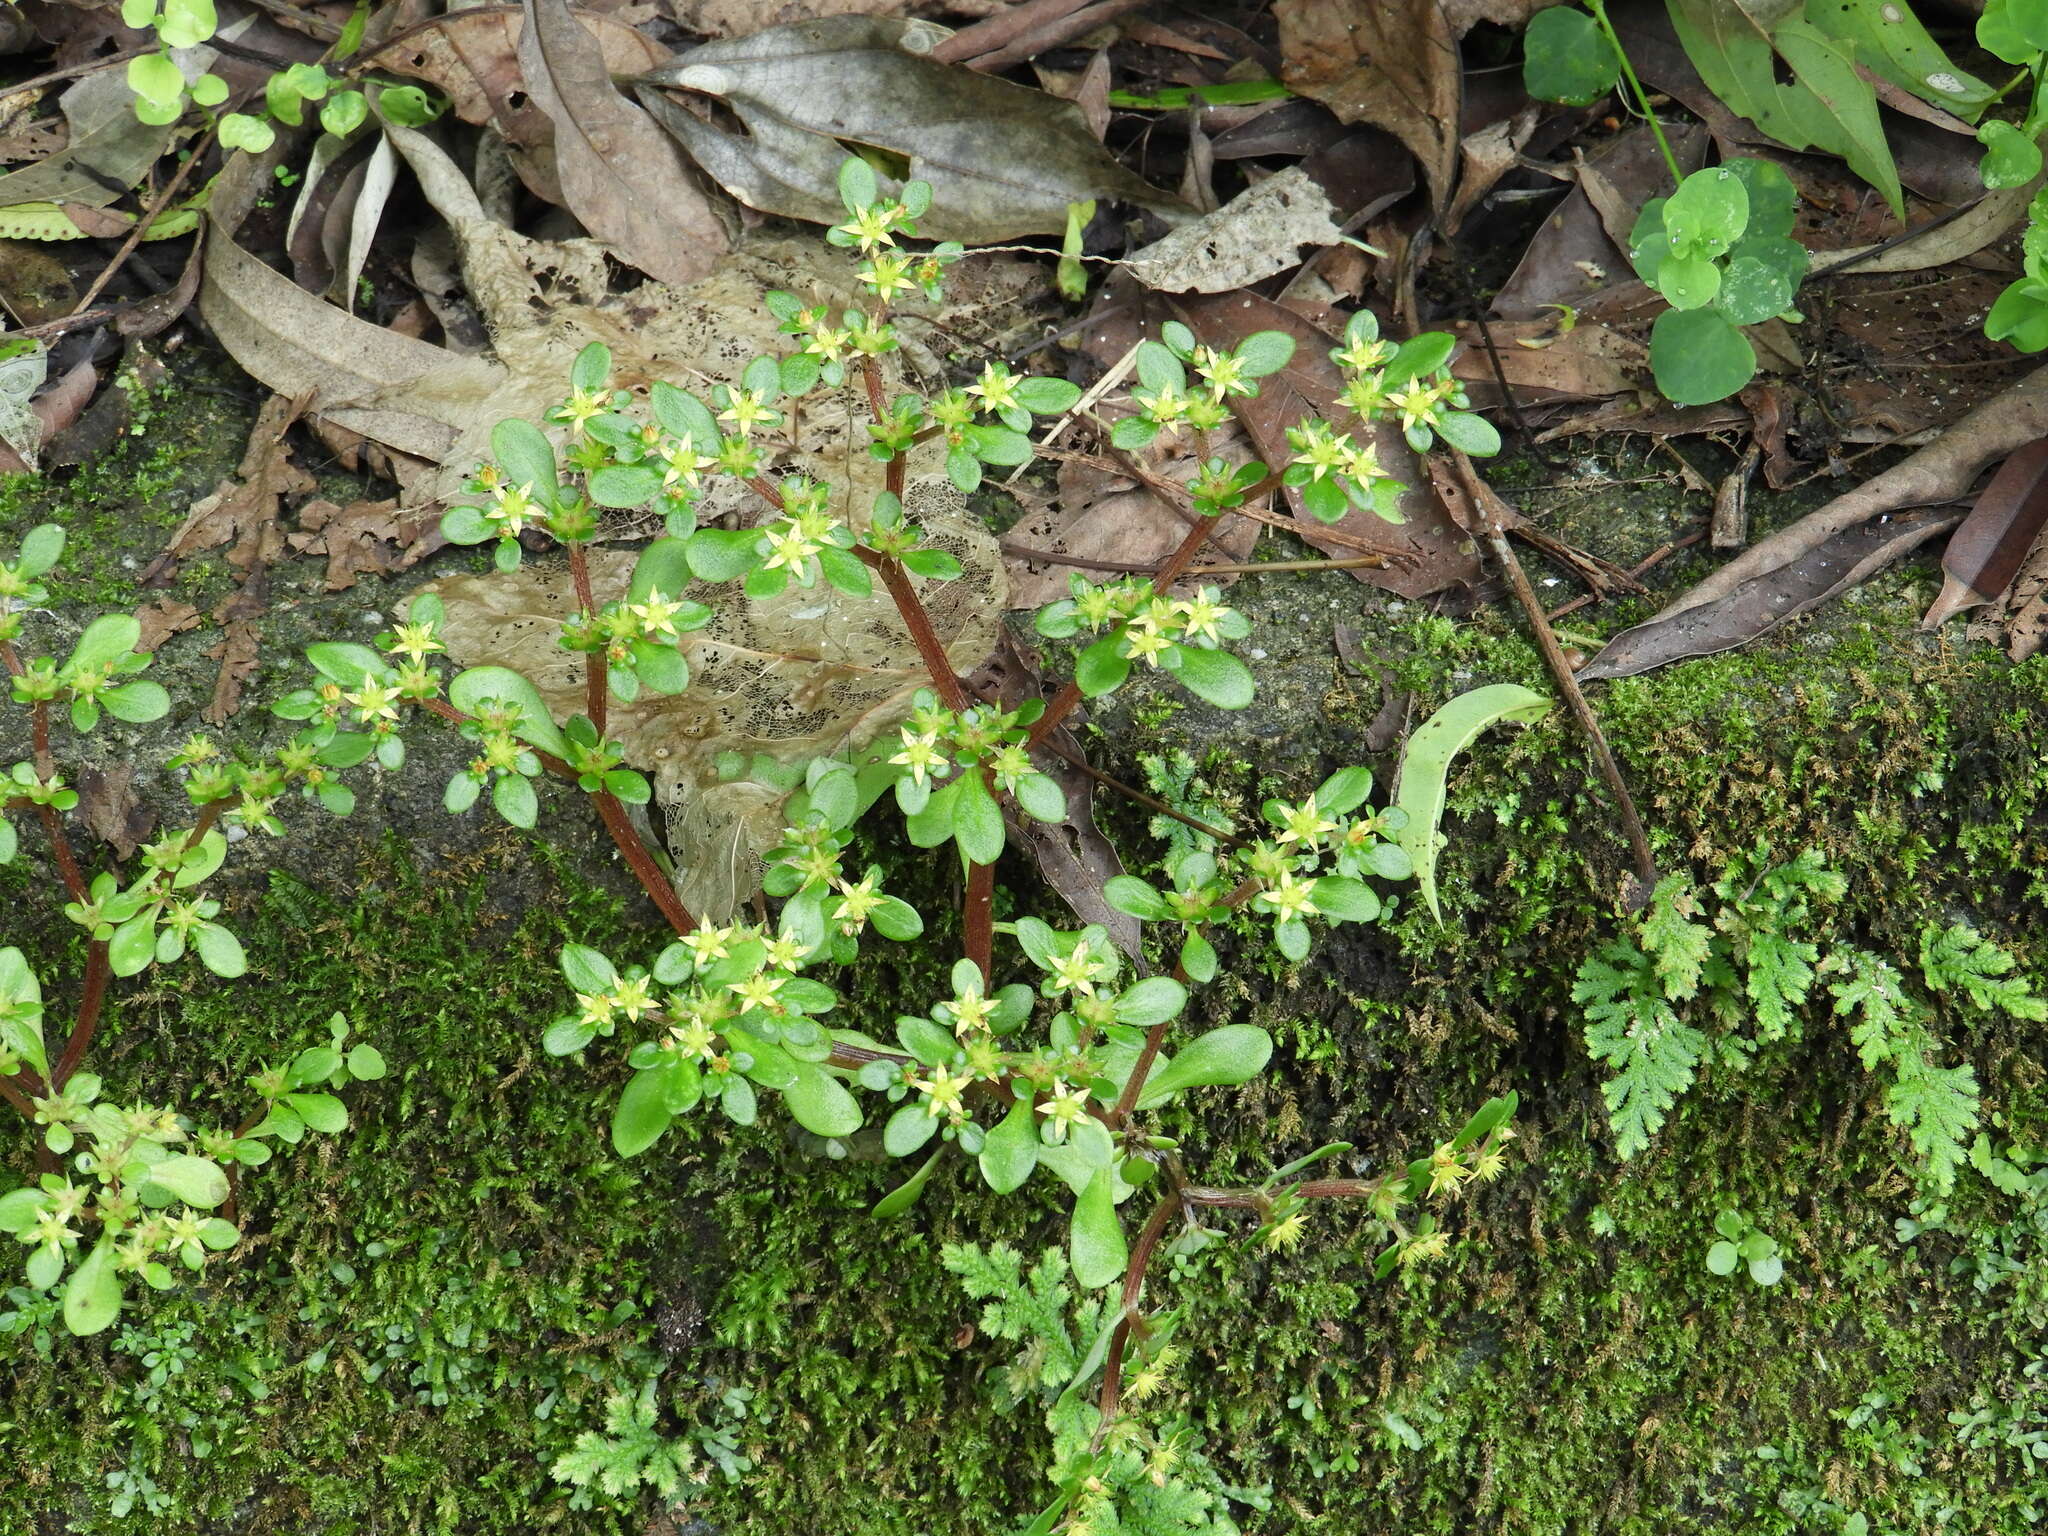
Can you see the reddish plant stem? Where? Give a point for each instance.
(978, 916)
(99, 970)
(1134, 1283)
(617, 823)
(897, 581)
(596, 673)
(60, 845)
(15, 1095)
(641, 862)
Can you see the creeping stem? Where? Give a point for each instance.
(616, 822)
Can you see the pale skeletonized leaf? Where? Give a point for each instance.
(807, 673)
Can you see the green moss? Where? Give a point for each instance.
(441, 1301)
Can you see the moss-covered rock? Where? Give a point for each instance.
(440, 1302)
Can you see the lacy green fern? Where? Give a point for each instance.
(1960, 959)
(1633, 1028)
(1750, 978)
(1936, 1106)
(629, 1454)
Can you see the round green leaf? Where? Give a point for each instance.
(820, 1102)
(1217, 677)
(908, 1129)
(1698, 356)
(1010, 1151)
(642, 1114)
(1236, 1053)
(1095, 1241)
(197, 1181)
(1567, 58)
(1708, 213)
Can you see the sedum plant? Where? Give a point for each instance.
(136, 1191)
(1046, 1057)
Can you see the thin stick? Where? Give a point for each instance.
(1227, 568)
(1490, 508)
(149, 216)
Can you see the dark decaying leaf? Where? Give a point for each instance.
(108, 806)
(1426, 553)
(162, 619)
(1987, 551)
(371, 537)
(1003, 160)
(1389, 62)
(1764, 602)
(472, 57)
(620, 174)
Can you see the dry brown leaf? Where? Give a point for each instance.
(472, 57)
(2026, 609)
(1942, 471)
(1103, 515)
(238, 654)
(243, 506)
(736, 18)
(1486, 156)
(1259, 232)
(162, 619)
(1393, 63)
(111, 810)
(1779, 592)
(1003, 160)
(1578, 250)
(365, 537)
(621, 175)
(807, 673)
(1588, 362)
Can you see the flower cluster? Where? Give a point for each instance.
(1181, 635)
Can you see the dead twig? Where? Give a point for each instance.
(1494, 515)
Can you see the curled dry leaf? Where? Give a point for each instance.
(620, 174)
(472, 57)
(108, 150)
(1942, 471)
(541, 302)
(807, 673)
(1257, 233)
(1543, 362)
(1393, 63)
(1768, 599)
(1003, 160)
(1987, 551)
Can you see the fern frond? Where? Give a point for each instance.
(1631, 1027)
(1675, 944)
(1960, 958)
(1935, 1106)
(1874, 994)
(1938, 1108)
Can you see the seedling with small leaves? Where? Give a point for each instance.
(127, 1191)
(1740, 1243)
